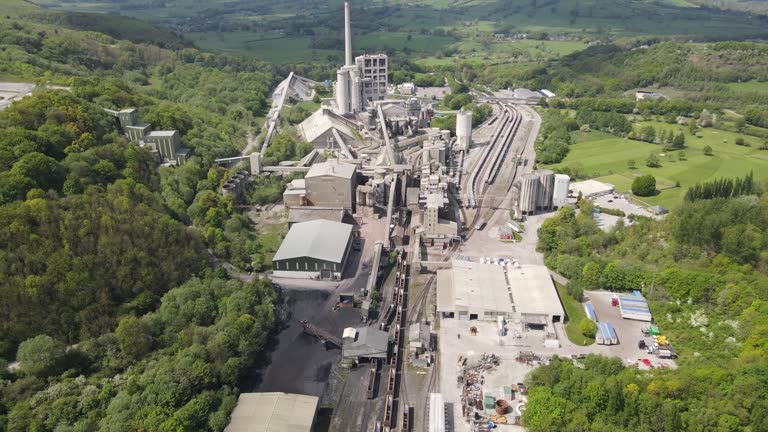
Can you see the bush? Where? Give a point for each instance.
(575, 290)
(644, 186)
(588, 327)
(707, 151)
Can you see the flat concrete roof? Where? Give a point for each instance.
(320, 239)
(474, 288)
(533, 291)
(167, 133)
(332, 168)
(273, 412)
(589, 188)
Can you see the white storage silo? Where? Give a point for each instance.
(560, 193)
(464, 129)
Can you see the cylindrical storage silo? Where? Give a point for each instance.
(371, 118)
(464, 129)
(560, 194)
(547, 179)
(445, 135)
(228, 189)
(529, 193)
(342, 92)
(236, 181)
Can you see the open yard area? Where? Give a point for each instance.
(605, 157)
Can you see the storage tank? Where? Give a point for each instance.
(560, 192)
(547, 179)
(342, 91)
(530, 186)
(229, 189)
(238, 184)
(464, 129)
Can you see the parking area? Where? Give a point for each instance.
(618, 202)
(628, 332)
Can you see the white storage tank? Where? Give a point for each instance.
(464, 129)
(342, 92)
(530, 187)
(560, 193)
(547, 179)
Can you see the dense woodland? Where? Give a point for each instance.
(704, 271)
(108, 301)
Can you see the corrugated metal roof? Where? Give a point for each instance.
(322, 120)
(273, 412)
(370, 342)
(319, 239)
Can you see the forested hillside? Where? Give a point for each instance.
(107, 298)
(704, 271)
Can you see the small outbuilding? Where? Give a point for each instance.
(314, 249)
(658, 210)
(364, 344)
(592, 188)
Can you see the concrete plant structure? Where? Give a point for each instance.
(314, 249)
(364, 80)
(273, 412)
(543, 191)
(331, 184)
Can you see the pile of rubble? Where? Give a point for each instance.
(471, 379)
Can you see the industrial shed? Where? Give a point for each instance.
(592, 188)
(313, 249)
(364, 344)
(534, 294)
(273, 412)
(470, 290)
(634, 307)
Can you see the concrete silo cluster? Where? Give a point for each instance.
(237, 185)
(543, 191)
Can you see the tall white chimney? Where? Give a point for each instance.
(347, 35)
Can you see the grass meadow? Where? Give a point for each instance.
(605, 158)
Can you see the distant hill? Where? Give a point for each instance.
(117, 26)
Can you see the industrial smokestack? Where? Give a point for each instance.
(347, 35)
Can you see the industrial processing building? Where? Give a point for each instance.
(361, 81)
(543, 191)
(273, 412)
(314, 249)
(327, 184)
(471, 290)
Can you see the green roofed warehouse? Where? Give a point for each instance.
(317, 248)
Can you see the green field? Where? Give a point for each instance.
(249, 27)
(749, 87)
(574, 311)
(605, 157)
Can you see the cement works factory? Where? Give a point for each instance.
(411, 225)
